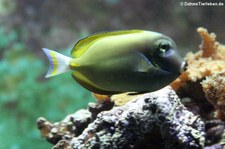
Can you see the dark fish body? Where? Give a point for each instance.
(124, 61)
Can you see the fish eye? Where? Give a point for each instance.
(163, 48)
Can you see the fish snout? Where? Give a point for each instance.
(183, 66)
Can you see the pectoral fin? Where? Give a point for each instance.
(143, 64)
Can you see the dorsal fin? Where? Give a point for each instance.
(82, 45)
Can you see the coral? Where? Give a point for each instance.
(214, 88)
(66, 128)
(123, 98)
(214, 132)
(72, 125)
(204, 81)
(209, 44)
(209, 60)
(127, 126)
(101, 98)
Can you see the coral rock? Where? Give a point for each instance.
(125, 126)
(71, 126)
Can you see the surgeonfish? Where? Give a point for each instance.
(120, 61)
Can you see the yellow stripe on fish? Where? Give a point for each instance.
(55, 63)
(58, 62)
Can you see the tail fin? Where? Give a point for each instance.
(58, 63)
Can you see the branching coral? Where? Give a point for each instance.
(209, 60)
(209, 44)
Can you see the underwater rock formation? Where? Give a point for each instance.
(72, 125)
(127, 126)
(187, 114)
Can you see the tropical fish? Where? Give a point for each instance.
(120, 61)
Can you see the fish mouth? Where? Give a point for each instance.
(183, 66)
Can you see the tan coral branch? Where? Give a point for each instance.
(209, 44)
(209, 60)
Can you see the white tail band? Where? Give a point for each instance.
(58, 63)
